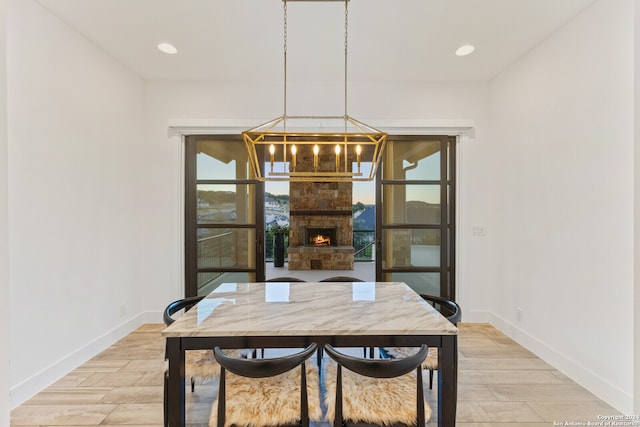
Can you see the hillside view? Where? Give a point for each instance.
(219, 206)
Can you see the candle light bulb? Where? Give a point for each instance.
(358, 152)
(316, 150)
(272, 150)
(337, 157)
(294, 150)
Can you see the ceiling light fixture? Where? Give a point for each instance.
(465, 50)
(315, 148)
(167, 48)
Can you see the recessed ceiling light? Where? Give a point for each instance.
(167, 48)
(465, 50)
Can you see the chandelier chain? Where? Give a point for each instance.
(284, 7)
(346, 50)
(346, 26)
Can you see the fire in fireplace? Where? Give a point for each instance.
(320, 236)
(320, 240)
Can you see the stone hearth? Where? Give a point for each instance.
(320, 258)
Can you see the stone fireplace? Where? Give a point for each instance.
(320, 240)
(323, 208)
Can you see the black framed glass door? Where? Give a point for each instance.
(415, 215)
(224, 214)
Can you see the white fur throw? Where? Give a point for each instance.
(255, 402)
(381, 401)
(201, 363)
(430, 362)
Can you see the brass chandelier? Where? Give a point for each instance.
(314, 148)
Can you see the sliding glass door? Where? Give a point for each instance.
(224, 215)
(415, 197)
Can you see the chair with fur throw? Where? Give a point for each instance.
(448, 308)
(362, 391)
(267, 392)
(198, 363)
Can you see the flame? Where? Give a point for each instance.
(321, 240)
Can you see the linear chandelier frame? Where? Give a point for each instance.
(293, 138)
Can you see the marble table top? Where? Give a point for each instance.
(308, 308)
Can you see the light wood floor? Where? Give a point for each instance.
(500, 384)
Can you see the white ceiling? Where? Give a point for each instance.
(388, 39)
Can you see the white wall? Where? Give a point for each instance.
(76, 198)
(4, 227)
(563, 122)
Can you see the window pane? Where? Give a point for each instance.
(411, 248)
(412, 160)
(222, 160)
(226, 247)
(410, 204)
(207, 282)
(422, 283)
(225, 204)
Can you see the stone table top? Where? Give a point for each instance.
(311, 308)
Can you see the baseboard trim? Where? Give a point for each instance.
(28, 388)
(475, 316)
(588, 379)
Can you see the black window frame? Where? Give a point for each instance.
(447, 225)
(191, 216)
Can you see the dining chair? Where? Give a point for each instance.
(448, 308)
(267, 392)
(342, 279)
(375, 391)
(198, 363)
(285, 279)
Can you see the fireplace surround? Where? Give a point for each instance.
(324, 207)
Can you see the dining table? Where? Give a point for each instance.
(295, 314)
